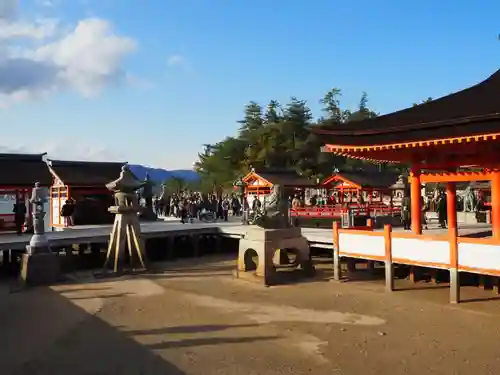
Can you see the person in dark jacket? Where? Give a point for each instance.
(182, 209)
(442, 209)
(19, 211)
(67, 211)
(406, 212)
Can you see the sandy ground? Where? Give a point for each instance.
(194, 318)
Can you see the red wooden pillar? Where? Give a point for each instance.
(495, 204)
(415, 197)
(451, 198)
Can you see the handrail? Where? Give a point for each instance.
(333, 211)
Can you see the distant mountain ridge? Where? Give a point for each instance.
(160, 175)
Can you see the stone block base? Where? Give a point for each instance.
(269, 248)
(39, 269)
(472, 217)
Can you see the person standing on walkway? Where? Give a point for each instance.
(19, 211)
(225, 208)
(67, 211)
(406, 212)
(442, 209)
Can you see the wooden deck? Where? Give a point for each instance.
(97, 234)
(318, 237)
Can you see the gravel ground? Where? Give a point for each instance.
(194, 318)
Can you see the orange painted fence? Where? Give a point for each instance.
(447, 252)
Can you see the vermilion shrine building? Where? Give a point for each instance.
(434, 139)
(260, 182)
(85, 183)
(382, 188)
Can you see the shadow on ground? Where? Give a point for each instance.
(44, 333)
(188, 329)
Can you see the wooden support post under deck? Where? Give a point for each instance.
(171, 247)
(451, 198)
(370, 266)
(337, 270)
(389, 267)
(218, 244)
(434, 276)
(414, 274)
(195, 241)
(496, 285)
(495, 204)
(416, 201)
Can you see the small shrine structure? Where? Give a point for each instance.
(376, 188)
(84, 182)
(440, 140)
(259, 183)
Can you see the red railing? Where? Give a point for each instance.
(7, 222)
(326, 212)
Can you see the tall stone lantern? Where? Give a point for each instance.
(126, 229)
(39, 265)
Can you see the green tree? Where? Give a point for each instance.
(362, 112)
(175, 185)
(250, 132)
(429, 99)
(280, 137)
(331, 107)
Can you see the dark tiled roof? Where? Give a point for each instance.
(285, 178)
(380, 180)
(473, 111)
(23, 170)
(85, 173)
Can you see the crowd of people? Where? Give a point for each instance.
(188, 205)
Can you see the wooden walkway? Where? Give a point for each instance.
(100, 233)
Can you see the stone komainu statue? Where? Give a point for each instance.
(469, 200)
(276, 210)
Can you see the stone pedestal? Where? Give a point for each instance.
(148, 214)
(269, 246)
(39, 265)
(40, 268)
(472, 217)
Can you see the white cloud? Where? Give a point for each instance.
(46, 3)
(39, 29)
(68, 149)
(179, 61)
(41, 56)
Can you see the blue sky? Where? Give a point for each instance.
(185, 69)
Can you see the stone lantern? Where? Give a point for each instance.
(126, 229)
(39, 265)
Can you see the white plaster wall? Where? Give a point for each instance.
(362, 244)
(479, 256)
(421, 250)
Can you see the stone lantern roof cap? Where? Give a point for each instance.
(126, 183)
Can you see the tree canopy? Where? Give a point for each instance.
(278, 136)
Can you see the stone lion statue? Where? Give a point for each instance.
(469, 199)
(275, 214)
